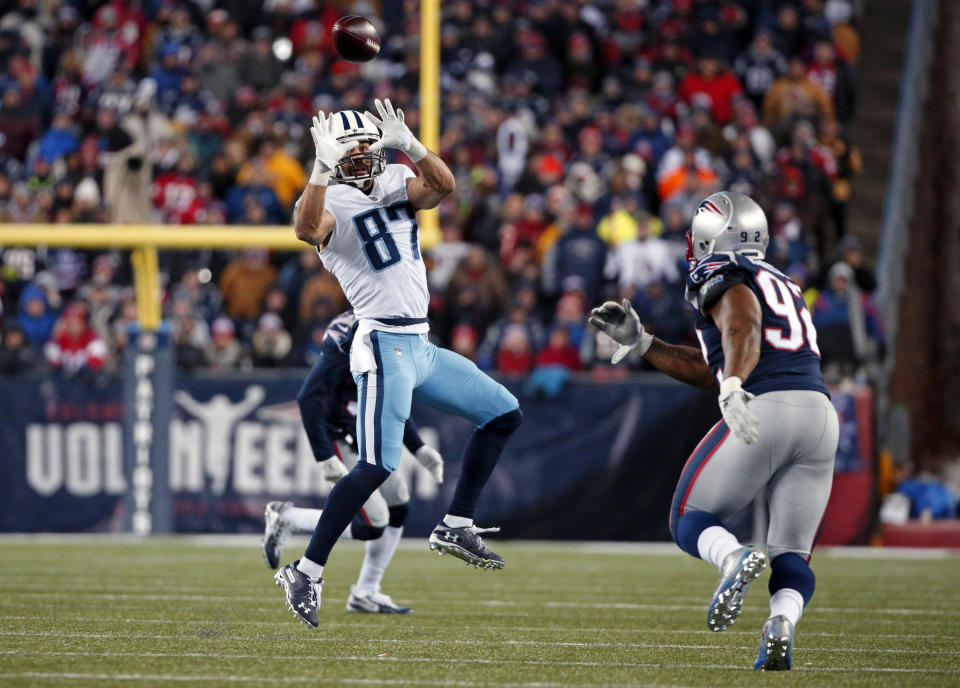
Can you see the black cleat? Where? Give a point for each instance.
(303, 594)
(465, 543)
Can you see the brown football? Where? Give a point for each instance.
(355, 39)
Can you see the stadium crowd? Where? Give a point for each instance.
(583, 134)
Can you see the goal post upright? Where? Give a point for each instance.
(429, 104)
(148, 367)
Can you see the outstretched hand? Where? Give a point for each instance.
(394, 131)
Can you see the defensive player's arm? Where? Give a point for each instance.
(318, 400)
(682, 363)
(411, 436)
(621, 323)
(434, 183)
(311, 222)
(738, 317)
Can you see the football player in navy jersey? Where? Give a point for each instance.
(778, 435)
(328, 409)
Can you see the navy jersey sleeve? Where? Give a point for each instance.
(411, 436)
(712, 277)
(319, 397)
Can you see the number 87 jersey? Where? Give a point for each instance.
(374, 251)
(789, 357)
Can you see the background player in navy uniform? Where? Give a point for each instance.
(328, 409)
(366, 233)
(778, 436)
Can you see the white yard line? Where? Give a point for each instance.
(522, 629)
(485, 603)
(420, 682)
(630, 548)
(319, 679)
(435, 641)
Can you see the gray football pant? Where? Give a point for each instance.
(393, 491)
(791, 466)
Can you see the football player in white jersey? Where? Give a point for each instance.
(360, 214)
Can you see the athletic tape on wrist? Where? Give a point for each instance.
(321, 174)
(646, 339)
(731, 384)
(417, 151)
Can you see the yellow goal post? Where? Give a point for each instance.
(143, 241)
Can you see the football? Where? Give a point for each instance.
(355, 39)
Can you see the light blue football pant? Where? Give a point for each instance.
(407, 367)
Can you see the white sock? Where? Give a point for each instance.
(377, 558)
(302, 520)
(311, 568)
(787, 602)
(457, 521)
(715, 543)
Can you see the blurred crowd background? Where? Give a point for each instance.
(583, 134)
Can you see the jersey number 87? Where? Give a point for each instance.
(380, 233)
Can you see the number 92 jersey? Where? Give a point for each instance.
(374, 251)
(789, 357)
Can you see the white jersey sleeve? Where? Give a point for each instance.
(374, 252)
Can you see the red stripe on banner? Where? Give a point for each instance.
(693, 480)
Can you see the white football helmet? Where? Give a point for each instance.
(359, 168)
(727, 221)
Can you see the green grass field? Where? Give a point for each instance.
(172, 611)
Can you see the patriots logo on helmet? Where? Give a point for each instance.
(708, 206)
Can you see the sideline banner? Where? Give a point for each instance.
(600, 461)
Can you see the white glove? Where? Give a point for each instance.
(395, 133)
(329, 150)
(738, 416)
(430, 459)
(333, 469)
(622, 324)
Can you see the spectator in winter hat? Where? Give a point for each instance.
(463, 340)
(34, 314)
(795, 96)
(18, 355)
(223, 352)
(18, 126)
(560, 351)
(515, 358)
(712, 86)
(59, 140)
(848, 326)
(271, 342)
(75, 347)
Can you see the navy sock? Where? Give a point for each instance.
(345, 500)
(398, 515)
(364, 531)
(479, 459)
(687, 528)
(790, 570)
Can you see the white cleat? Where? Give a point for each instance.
(373, 602)
(276, 530)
